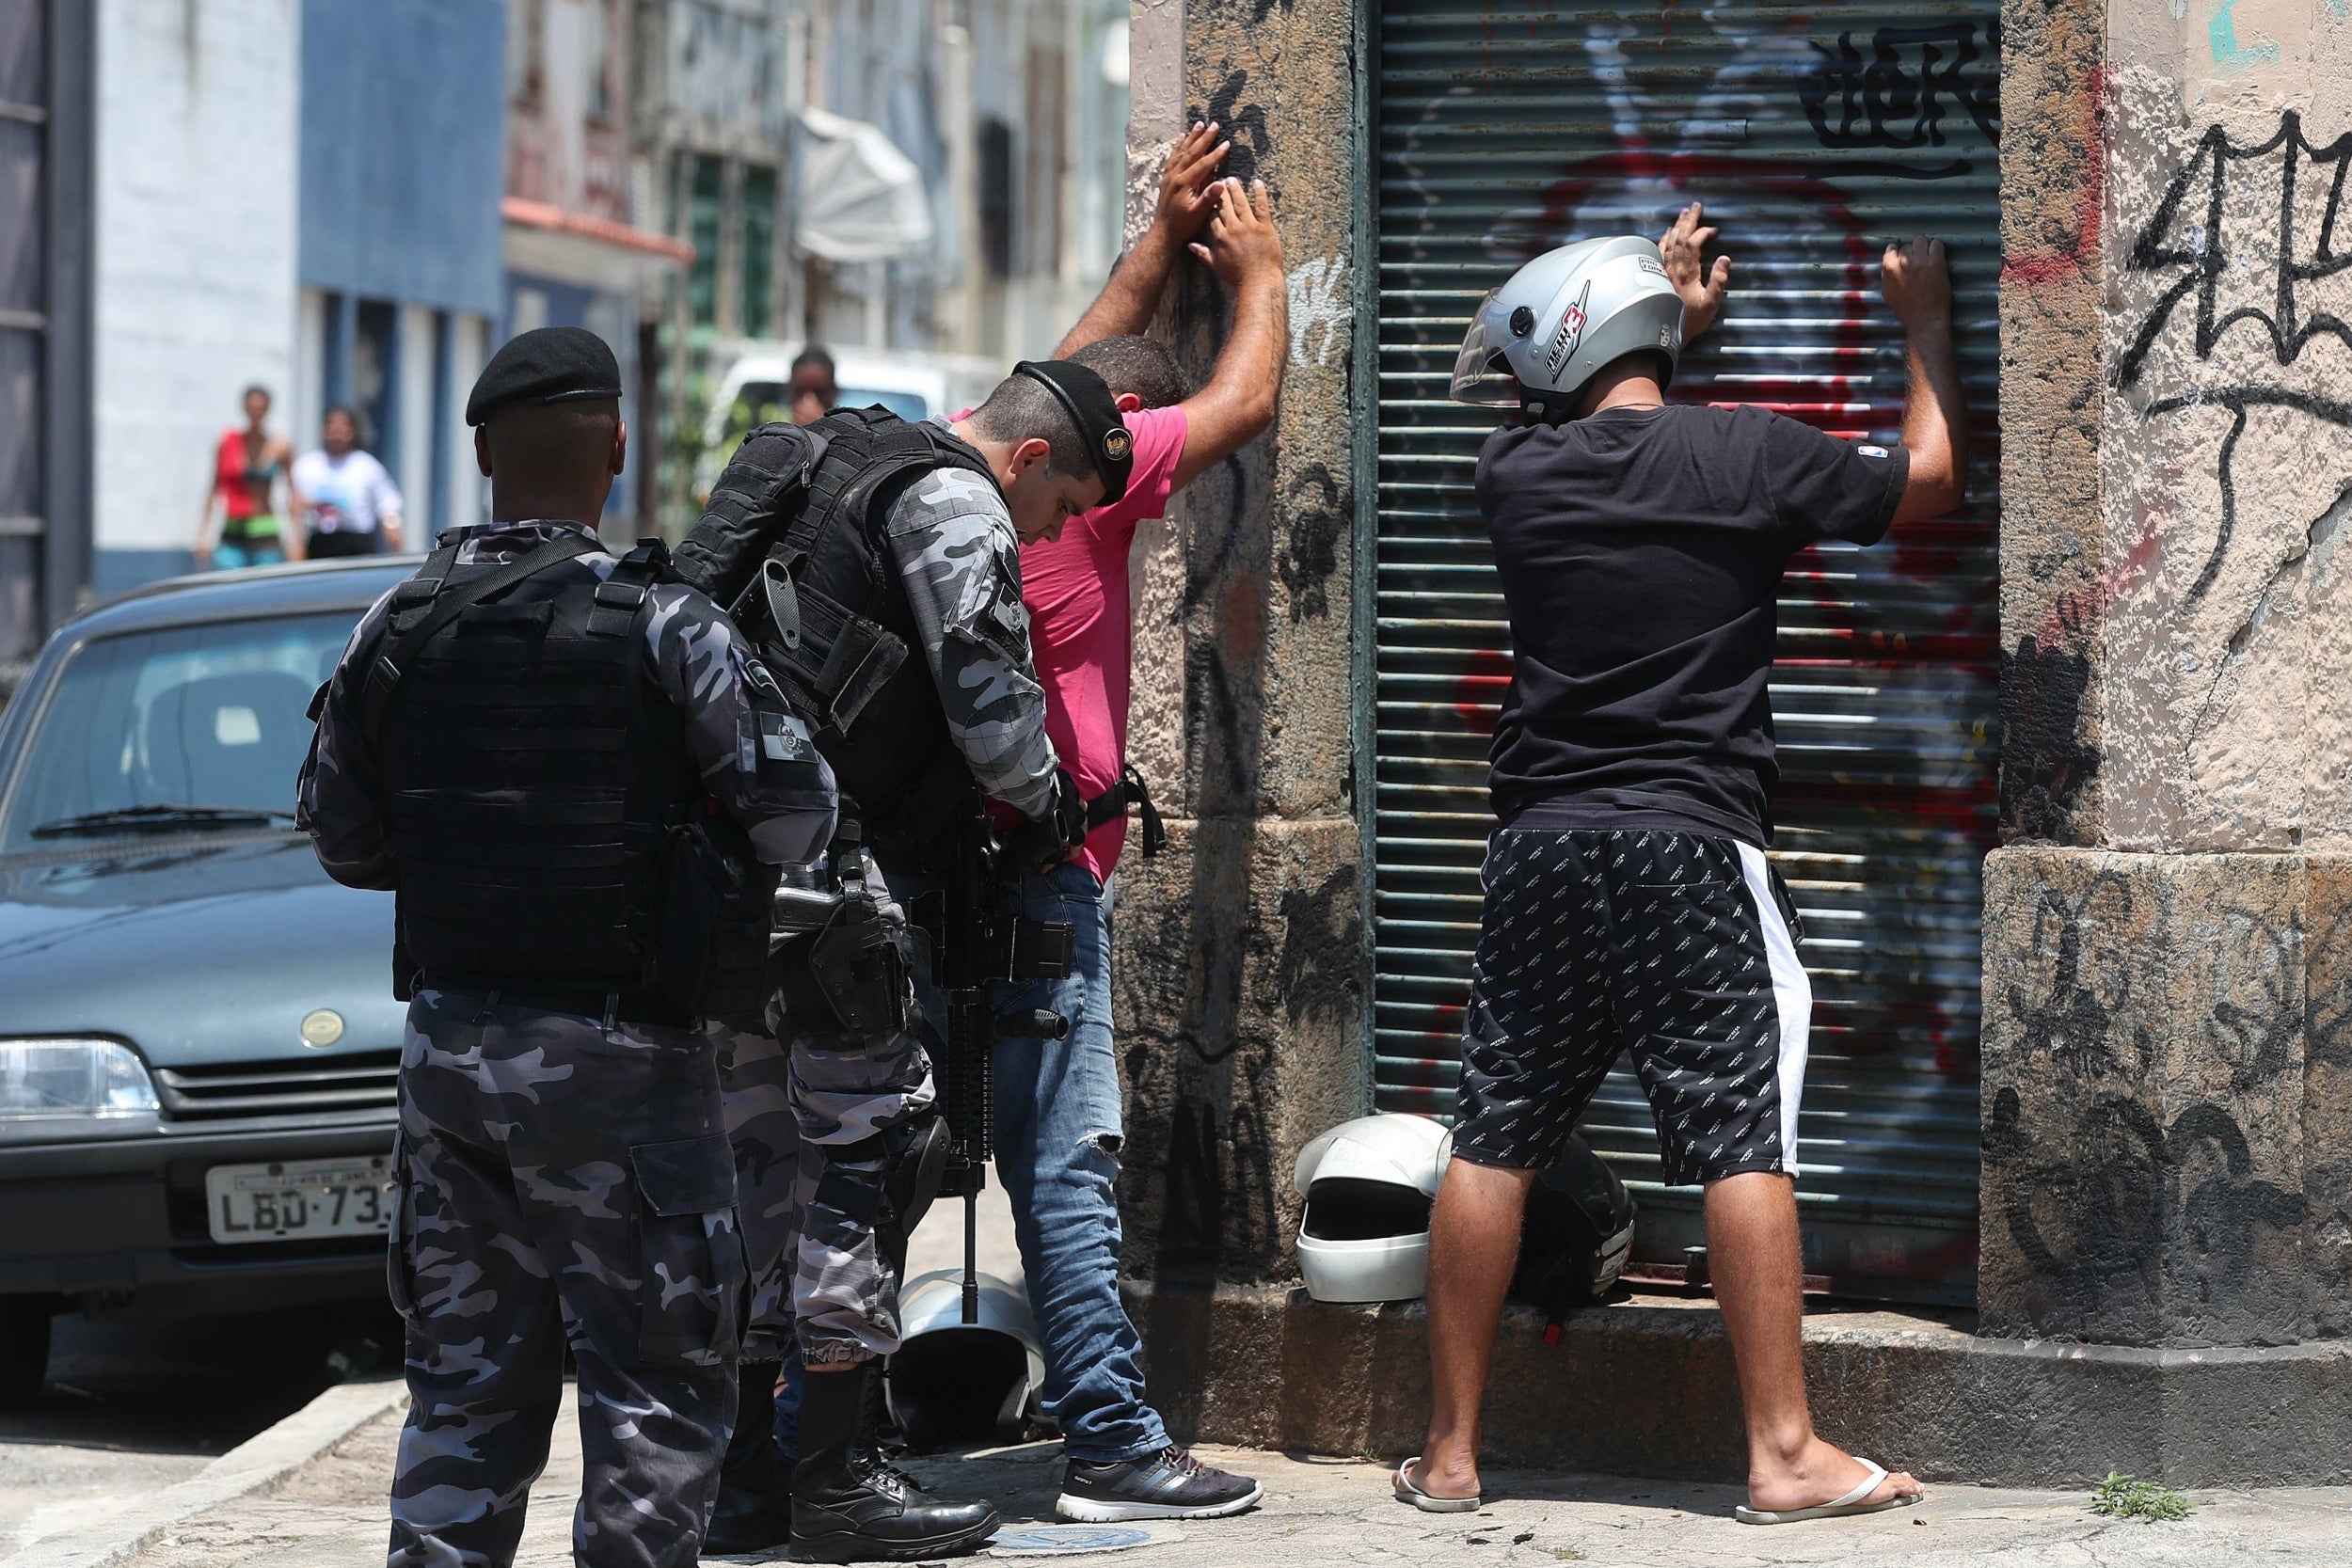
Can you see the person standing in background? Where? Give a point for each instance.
(348, 501)
(816, 387)
(247, 471)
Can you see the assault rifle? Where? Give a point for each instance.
(980, 942)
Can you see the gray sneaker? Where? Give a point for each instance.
(1170, 1485)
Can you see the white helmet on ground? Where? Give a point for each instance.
(1539, 337)
(1364, 1234)
(954, 1382)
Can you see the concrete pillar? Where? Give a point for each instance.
(2168, 1008)
(1240, 971)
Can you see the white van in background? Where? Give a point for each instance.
(756, 391)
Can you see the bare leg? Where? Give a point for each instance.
(1473, 1245)
(1752, 1256)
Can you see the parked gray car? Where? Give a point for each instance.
(198, 1044)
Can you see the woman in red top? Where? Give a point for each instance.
(247, 471)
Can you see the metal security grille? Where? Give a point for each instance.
(1814, 134)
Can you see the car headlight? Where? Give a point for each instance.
(73, 1088)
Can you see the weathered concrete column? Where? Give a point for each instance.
(1239, 952)
(2167, 1011)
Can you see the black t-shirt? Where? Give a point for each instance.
(1641, 552)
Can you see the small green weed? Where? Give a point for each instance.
(2121, 1497)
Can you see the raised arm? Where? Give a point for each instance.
(1188, 187)
(1684, 246)
(1916, 281)
(1245, 253)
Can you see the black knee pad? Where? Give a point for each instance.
(915, 1166)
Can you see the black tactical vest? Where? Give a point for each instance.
(534, 772)
(793, 545)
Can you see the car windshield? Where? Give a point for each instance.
(183, 728)
(764, 402)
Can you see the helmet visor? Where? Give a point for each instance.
(1481, 373)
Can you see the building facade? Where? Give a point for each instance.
(401, 257)
(194, 230)
(45, 128)
(1011, 114)
(575, 253)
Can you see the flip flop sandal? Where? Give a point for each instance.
(1428, 1502)
(1837, 1509)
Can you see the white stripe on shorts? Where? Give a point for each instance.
(1792, 996)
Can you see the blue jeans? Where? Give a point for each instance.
(1057, 1131)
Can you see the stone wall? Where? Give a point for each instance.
(2165, 1092)
(1239, 967)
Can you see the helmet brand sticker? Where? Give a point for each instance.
(1651, 265)
(1571, 332)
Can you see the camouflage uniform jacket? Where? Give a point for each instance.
(700, 663)
(957, 552)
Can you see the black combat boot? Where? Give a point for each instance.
(848, 1505)
(755, 1507)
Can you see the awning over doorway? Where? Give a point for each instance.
(861, 199)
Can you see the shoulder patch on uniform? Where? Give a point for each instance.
(784, 738)
(1872, 452)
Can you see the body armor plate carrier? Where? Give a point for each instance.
(793, 546)
(544, 809)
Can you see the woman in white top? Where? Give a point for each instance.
(346, 498)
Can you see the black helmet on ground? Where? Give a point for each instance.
(1577, 1233)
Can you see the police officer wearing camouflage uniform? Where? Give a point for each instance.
(823, 1118)
(570, 771)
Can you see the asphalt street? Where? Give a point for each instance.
(131, 1407)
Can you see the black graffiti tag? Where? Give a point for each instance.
(1899, 93)
(2186, 231)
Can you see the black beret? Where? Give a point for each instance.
(548, 364)
(1088, 400)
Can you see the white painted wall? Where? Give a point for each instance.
(469, 350)
(309, 405)
(195, 200)
(415, 479)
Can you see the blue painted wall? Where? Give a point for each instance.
(404, 134)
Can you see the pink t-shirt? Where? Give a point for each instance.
(1082, 624)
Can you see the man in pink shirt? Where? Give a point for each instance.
(1057, 1113)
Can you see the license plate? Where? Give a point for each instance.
(296, 1199)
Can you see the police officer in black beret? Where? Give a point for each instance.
(578, 782)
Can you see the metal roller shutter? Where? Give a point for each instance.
(1814, 134)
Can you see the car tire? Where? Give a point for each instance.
(23, 1349)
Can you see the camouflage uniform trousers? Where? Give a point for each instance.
(809, 1213)
(560, 1183)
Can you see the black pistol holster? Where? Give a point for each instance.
(845, 967)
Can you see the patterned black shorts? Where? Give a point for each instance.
(1679, 947)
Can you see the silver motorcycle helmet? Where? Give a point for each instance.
(1538, 339)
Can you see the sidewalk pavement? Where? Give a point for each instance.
(1338, 1513)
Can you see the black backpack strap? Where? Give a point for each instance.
(385, 674)
(412, 598)
(620, 596)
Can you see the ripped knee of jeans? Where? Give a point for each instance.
(1101, 1150)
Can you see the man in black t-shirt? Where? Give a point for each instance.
(1630, 906)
